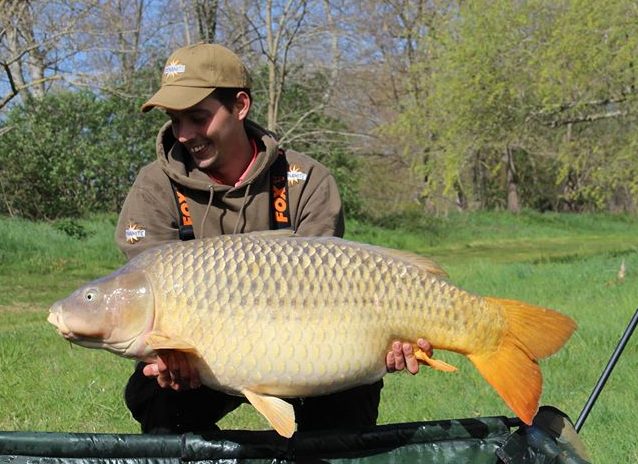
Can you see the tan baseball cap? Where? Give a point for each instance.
(193, 72)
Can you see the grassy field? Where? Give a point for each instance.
(567, 262)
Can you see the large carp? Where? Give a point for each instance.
(271, 316)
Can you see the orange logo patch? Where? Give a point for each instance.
(183, 207)
(280, 202)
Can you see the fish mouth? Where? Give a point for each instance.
(55, 318)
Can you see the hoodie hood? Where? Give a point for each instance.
(176, 162)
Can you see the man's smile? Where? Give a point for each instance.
(198, 149)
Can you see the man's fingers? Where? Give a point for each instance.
(425, 346)
(389, 361)
(402, 356)
(160, 369)
(179, 370)
(399, 359)
(164, 377)
(150, 370)
(174, 366)
(411, 363)
(187, 373)
(173, 370)
(393, 356)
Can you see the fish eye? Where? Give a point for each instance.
(90, 295)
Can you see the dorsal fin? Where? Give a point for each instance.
(271, 234)
(420, 261)
(414, 259)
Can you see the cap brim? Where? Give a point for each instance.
(175, 97)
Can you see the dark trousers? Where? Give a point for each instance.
(161, 410)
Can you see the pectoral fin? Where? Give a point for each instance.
(278, 412)
(433, 363)
(159, 341)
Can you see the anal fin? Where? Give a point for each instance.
(279, 413)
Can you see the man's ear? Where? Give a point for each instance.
(242, 105)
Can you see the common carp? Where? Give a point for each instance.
(271, 316)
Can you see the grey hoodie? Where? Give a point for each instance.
(149, 215)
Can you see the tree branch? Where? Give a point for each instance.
(16, 89)
(561, 108)
(587, 118)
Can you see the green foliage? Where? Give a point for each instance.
(305, 126)
(554, 82)
(70, 154)
(71, 227)
(598, 167)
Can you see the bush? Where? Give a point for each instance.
(72, 153)
(72, 228)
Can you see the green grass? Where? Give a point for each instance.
(567, 262)
(41, 263)
(504, 238)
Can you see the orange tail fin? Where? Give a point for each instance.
(533, 333)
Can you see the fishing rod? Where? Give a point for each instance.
(607, 372)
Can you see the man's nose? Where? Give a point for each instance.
(184, 131)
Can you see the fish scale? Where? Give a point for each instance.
(268, 317)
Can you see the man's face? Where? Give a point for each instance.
(209, 131)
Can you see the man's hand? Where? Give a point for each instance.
(402, 356)
(173, 370)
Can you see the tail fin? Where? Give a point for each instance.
(533, 333)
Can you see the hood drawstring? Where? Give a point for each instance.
(211, 193)
(240, 216)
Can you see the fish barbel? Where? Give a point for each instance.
(270, 317)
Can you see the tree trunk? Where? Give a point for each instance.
(128, 38)
(206, 11)
(513, 204)
(281, 32)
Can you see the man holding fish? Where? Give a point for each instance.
(217, 173)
